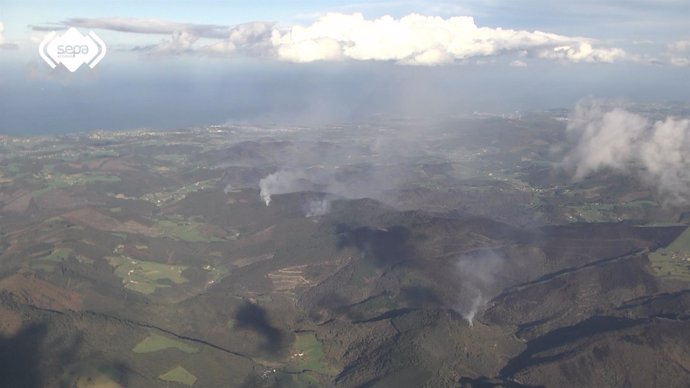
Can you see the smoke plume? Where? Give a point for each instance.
(281, 182)
(614, 138)
(479, 274)
(317, 207)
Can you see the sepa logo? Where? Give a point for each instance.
(72, 49)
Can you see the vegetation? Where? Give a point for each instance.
(163, 198)
(674, 260)
(183, 230)
(58, 255)
(179, 375)
(58, 181)
(156, 342)
(307, 354)
(146, 276)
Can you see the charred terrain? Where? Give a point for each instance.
(401, 253)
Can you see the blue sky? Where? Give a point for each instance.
(202, 62)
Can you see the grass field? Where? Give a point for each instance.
(42, 267)
(58, 255)
(307, 364)
(179, 375)
(99, 380)
(59, 181)
(307, 354)
(184, 230)
(217, 273)
(47, 263)
(674, 260)
(164, 198)
(146, 276)
(84, 260)
(156, 342)
(601, 212)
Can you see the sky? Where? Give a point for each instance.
(172, 64)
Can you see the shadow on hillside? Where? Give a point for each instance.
(383, 247)
(253, 317)
(20, 358)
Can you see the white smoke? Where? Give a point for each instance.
(317, 207)
(281, 182)
(626, 142)
(479, 274)
(350, 182)
(292, 181)
(474, 306)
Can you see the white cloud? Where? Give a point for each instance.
(3, 44)
(679, 53)
(413, 39)
(140, 26)
(424, 40)
(181, 41)
(680, 46)
(518, 63)
(583, 52)
(626, 142)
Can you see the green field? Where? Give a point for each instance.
(179, 375)
(184, 230)
(42, 267)
(13, 169)
(167, 197)
(307, 354)
(156, 342)
(84, 260)
(603, 212)
(58, 181)
(58, 255)
(307, 363)
(674, 260)
(146, 276)
(216, 273)
(47, 263)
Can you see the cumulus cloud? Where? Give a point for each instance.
(424, 40)
(583, 52)
(249, 38)
(413, 39)
(252, 39)
(626, 142)
(180, 42)
(679, 53)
